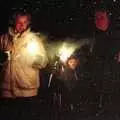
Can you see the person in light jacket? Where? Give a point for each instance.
(22, 54)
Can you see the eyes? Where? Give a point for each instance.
(100, 18)
(72, 62)
(20, 23)
(23, 20)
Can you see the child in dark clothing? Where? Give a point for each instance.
(68, 74)
(69, 78)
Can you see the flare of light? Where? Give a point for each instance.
(33, 47)
(66, 51)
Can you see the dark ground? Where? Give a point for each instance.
(62, 22)
(42, 108)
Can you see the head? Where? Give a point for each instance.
(72, 62)
(102, 20)
(21, 21)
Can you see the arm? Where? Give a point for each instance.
(41, 59)
(3, 54)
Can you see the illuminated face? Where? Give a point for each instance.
(101, 20)
(72, 63)
(22, 23)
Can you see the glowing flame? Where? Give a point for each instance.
(66, 51)
(33, 47)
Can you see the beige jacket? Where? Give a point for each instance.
(20, 75)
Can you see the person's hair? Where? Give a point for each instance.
(72, 57)
(13, 18)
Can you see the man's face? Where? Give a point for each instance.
(101, 20)
(72, 63)
(22, 23)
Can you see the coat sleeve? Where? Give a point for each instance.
(1, 42)
(41, 59)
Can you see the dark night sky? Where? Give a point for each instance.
(54, 17)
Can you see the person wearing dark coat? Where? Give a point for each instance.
(102, 53)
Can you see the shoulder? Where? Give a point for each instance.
(39, 37)
(35, 34)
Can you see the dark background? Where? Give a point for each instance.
(59, 18)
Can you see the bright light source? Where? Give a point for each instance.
(65, 52)
(33, 47)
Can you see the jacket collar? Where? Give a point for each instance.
(13, 33)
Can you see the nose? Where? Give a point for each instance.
(21, 25)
